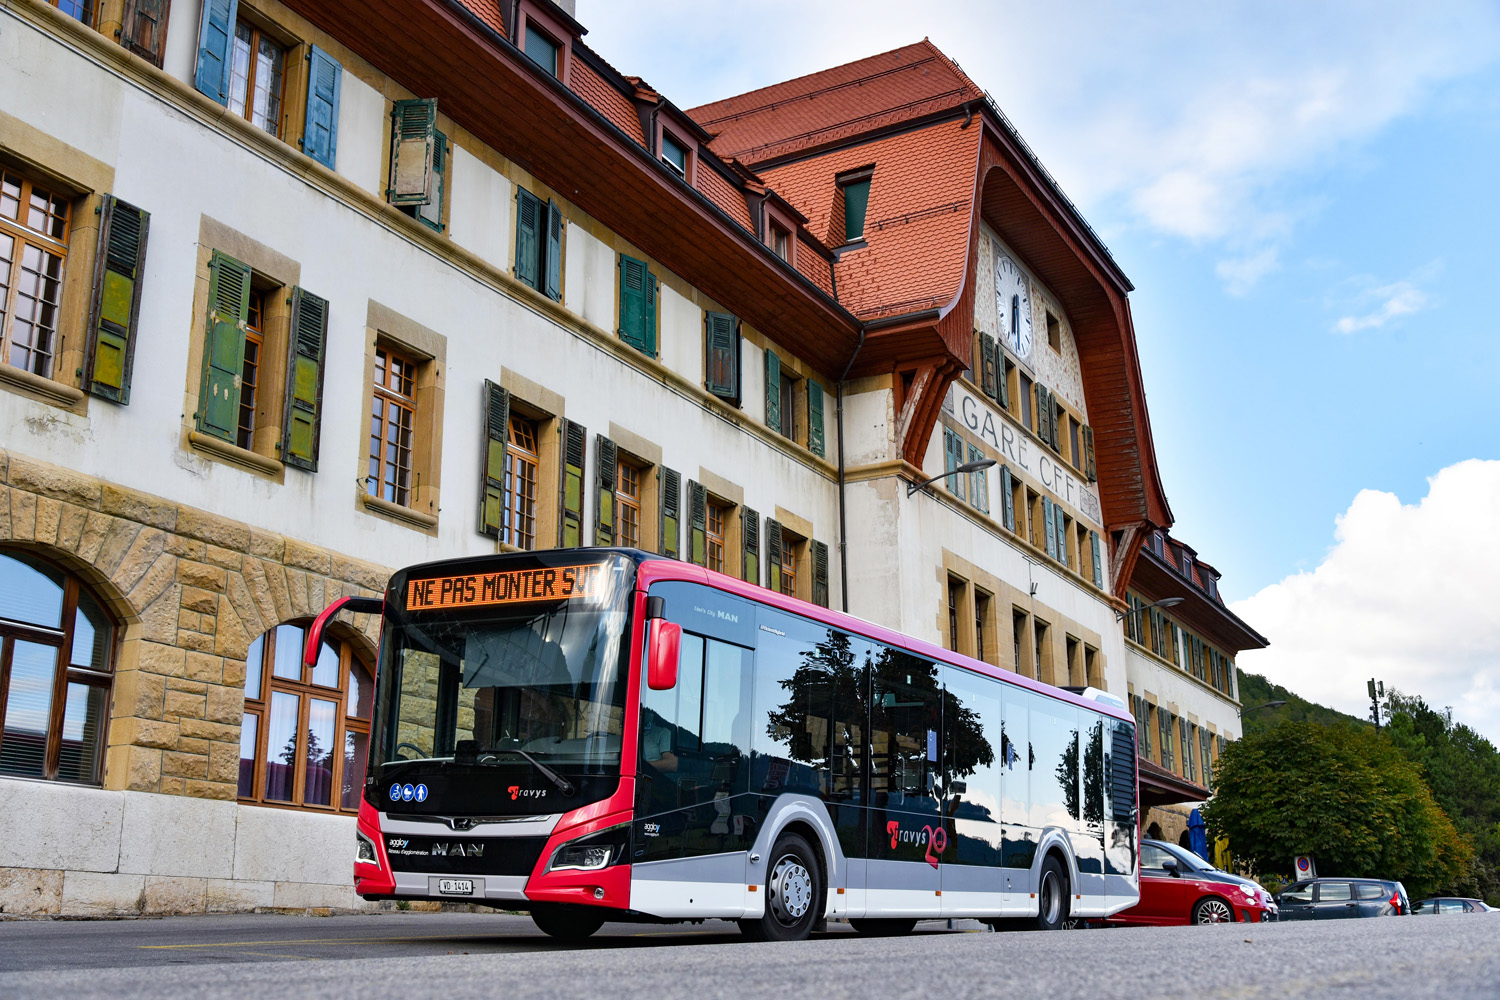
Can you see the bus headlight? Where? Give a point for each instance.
(365, 854)
(598, 850)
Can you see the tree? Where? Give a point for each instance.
(1345, 794)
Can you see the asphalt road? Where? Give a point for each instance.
(496, 955)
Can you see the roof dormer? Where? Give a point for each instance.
(545, 33)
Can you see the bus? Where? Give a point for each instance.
(605, 734)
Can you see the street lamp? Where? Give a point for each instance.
(967, 467)
(1257, 708)
(1165, 602)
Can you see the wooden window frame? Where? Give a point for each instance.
(532, 15)
(627, 502)
(1054, 332)
(288, 50)
(252, 370)
(23, 236)
(720, 538)
(406, 403)
(517, 456)
(64, 673)
(305, 691)
(91, 8)
(666, 128)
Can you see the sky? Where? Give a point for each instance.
(1305, 198)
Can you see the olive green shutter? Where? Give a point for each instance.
(553, 289)
(637, 305)
(722, 351)
(671, 512)
(987, 365)
(1089, 467)
(1002, 383)
(413, 137)
(1049, 531)
(750, 532)
(574, 444)
(773, 555)
(224, 349)
(1098, 560)
(116, 308)
(303, 399)
(529, 211)
(820, 574)
(815, 443)
(496, 419)
(1007, 499)
(773, 391)
(697, 523)
(606, 460)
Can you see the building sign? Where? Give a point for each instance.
(516, 586)
(1023, 454)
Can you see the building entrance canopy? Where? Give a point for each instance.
(1160, 787)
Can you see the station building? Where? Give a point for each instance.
(430, 278)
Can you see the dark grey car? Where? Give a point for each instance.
(1343, 898)
(1451, 904)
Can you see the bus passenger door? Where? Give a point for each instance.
(973, 881)
(908, 833)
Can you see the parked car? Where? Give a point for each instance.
(1178, 887)
(1341, 898)
(1452, 904)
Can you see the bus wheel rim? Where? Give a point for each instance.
(791, 890)
(1051, 898)
(1213, 912)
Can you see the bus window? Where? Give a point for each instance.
(972, 755)
(1054, 773)
(905, 726)
(1017, 758)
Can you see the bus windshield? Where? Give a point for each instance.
(518, 687)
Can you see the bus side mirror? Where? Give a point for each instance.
(357, 605)
(661, 655)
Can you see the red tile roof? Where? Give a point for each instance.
(848, 100)
(487, 11)
(725, 195)
(606, 99)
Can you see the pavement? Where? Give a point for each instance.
(455, 955)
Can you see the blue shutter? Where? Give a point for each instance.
(979, 494)
(320, 134)
(815, 442)
(215, 39)
(773, 391)
(529, 223)
(553, 290)
(1049, 531)
(1098, 560)
(1007, 499)
(953, 457)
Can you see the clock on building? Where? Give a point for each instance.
(1013, 306)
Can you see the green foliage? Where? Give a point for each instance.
(1255, 690)
(1343, 793)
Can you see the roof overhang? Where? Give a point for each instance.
(1160, 787)
(1155, 578)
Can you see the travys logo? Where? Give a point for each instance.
(935, 839)
(517, 792)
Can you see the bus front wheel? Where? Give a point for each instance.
(566, 923)
(1052, 897)
(795, 893)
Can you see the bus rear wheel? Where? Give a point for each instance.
(1052, 897)
(566, 923)
(888, 927)
(794, 893)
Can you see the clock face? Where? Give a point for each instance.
(1013, 306)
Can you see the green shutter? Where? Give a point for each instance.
(820, 574)
(116, 308)
(773, 391)
(1089, 468)
(987, 365)
(1007, 499)
(575, 439)
(224, 347)
(431, 214)
(856, 201)
(553, 289)
(650, 293)
(697, 523)
(1060, 524)
(215, 40)
(815, 419)
(722, 356)
(606, 460)
(413, 136)
(1049, 529)
(496, 419)
(750, 533)
(637, 305)
(953, 457)
(1098, 560)
(303, 400)
(320, 132)
(529, 222)
(773, 555)
(671, 511)
(979, 488)
(1002, 382)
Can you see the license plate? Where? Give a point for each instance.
(456, 886)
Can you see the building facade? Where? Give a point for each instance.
(430, 278)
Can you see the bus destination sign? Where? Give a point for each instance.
(516, 586)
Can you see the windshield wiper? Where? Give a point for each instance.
(563, 784)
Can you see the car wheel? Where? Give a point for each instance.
(566, 923)
(794, 893)
(1212, 910)
(883, 928)
(1052, 897)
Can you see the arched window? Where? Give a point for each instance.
(56, 658)
(306, 730)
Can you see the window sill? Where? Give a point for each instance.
(396, 512)
(40, 386)
(235, 455)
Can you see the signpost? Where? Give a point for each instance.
(1305, 867)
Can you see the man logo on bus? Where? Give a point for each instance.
(935, 839)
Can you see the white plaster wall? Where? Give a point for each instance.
(57, 91)
(181, 56)
(1182, 694)
(363, 123)
(680, 342)
(753, 382)
(483, 225)
(869, 427)
(589, 278)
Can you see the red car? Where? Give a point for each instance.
(1178, 887)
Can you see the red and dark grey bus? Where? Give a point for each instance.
(603, 734)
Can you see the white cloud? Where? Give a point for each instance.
(1400, 299)
(1407, 595)
(1240, 274)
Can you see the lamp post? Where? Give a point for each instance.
(1165, 602)
(967, 467)
(1257, 708)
